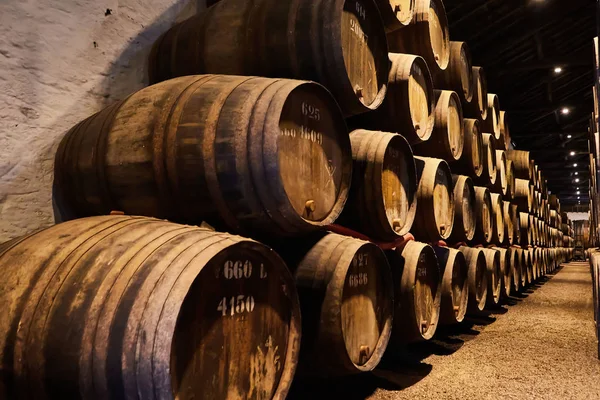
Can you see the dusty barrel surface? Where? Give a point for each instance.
(219, 148)
(128, 307)
(396, 14)
(523, 196)
(472, 159)
(455, 285)
(458, 77)
(409, 106)
(382, 200)
(435, 200)
(347, 300)
(494, 274)
(417, 280)
(342, 45)
(506, 271)
(483, 216)
(521, 162)
(488, 177)
(491, 123)
(477, 278)
(497, 218)
(464, 209)
(427, 35)
(478, 106)
(447, 139)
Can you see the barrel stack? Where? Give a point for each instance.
(372, 169)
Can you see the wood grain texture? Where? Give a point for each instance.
(510, 218)
(510, 179)
(128, 307)
(383, 198)
(506, 271)
(455, 285)
(464, 210)
(523, 195)
(497, 219)
(505, 130)
(490, 171)
(491, 122)
(516, 255)
(501, 184)
(435, 200)
(340, 44)
(472, 159)
(458, 77)
(494, 273)
(514, 209)
(483, 212)
(477, 278)
(477, 108)
(526, 233)
(521, 161)
(245, 154)
(396, 14)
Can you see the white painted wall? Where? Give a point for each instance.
(61, 61)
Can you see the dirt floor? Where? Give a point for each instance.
(539, 346)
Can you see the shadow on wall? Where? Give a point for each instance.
(129, 73)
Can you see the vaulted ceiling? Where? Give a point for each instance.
(520, 43)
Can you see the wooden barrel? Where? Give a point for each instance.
(382, 201)
(427, 35)
(261, 38)
(477, 108)
(526, 233)
(516, 256)
(341, 280)
(533, 227)
(244, 154)
(501, 183)
(554, 203)
(523, 196)
(510, 216)
(483, 216)
(510, 179)
(504, 130)
(497, 219)
(471, 161)
(435, 200)
(534, 181)
(531, 276)
(477, 278)
(458, 77)
(505, 271)
(514, 209)
(464, 209)
(417, 279)
(494, 274)
(491, 123)
(133, 307)
(488, 177)
(455, 285)
(521, 163)
(409, 105)
(447, 139)
(396, 14)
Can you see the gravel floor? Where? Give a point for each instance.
(540, 346)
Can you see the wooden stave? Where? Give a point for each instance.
(390, 17)
(506, 271)
(497, 218)
(521, 162)
(491, 122)
(501, 182)
(488, 177)
(452, 77)
(463, 188)
(471, 161)
(477, 278)
(451, 310)
(477, 107)
(484, 224)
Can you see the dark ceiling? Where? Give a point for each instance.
(519, 43)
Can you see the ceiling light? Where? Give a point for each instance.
(558, 70)
(568, 136)
(565, 111)
(577, 188)
(576, 173)
(575, 165)
(577, 180)
(578, 198)
(578, 192)
(572, 153)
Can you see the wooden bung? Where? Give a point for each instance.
(455, 285)
(396, 14)
(260, 155)
(477, 108)
(483, 216)
(383, 195)
(435, 200)
(447, 139)
(464, 209)
(472, 158)
(458, 77)
(417, 284)
(497, 219)
(260, 38)
(409, 106)
(427, 35)
(341, 281)
(134, 307)
(477, 278)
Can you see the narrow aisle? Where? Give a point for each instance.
(542, 347)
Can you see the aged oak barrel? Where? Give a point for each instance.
(524, 227)
(382, 200)
(531, 265)
(447, 139)
(504, 130)
(494, 273)
(514, 209)
(458, 77)
(491, 123)
(523, 196)
(455, 285)
(506, 271)
(510, 217)
(134, 307)
(488, 177)
(409, 106)
(338, 43)
(417, 283)
(516, 255)
(396, 14)
(472, 159)
(464, 209)
(483, 216)
(435, 200)
(497, 219)
(554, 203)
(477, 278)
(245, 154)
(347, 300)
(501, 183)
(478, 106)
(510, 179)
(521, 163)
(427, 35)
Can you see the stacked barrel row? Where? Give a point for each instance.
(275, 120)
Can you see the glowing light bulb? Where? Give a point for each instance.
(575, 164)
(572, 153)
(565, 111)
(557, 70)
(568, 136)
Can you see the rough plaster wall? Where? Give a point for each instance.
(61, 61)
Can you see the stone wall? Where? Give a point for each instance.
(60, 61)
